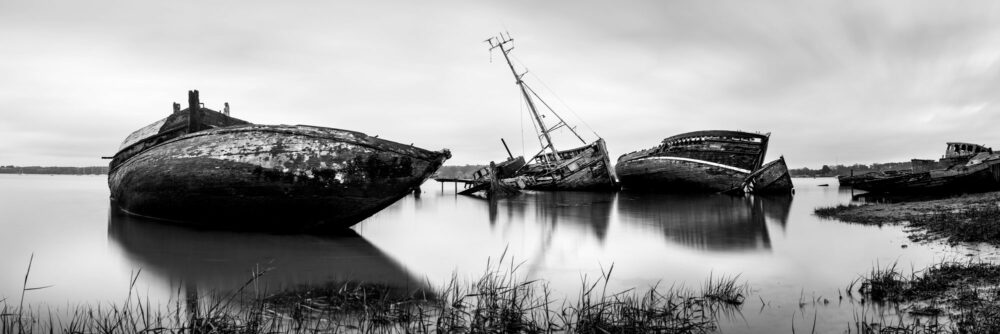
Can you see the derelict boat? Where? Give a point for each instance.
(708, 161)
(202, 167)
(586, 168)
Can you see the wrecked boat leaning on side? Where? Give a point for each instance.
(201, 167)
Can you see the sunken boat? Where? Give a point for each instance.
(964, 168)
(205, 168)
(584, 168)
(705, 161)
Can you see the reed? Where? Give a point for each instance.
(965, 294)
(500, 300)
(969, 225)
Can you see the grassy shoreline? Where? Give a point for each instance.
(966, 218)
(949, 297)
(499, 301)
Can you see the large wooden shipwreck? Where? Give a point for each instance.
(706, 161)
(205, 168)
(586, 167)
(964, 168)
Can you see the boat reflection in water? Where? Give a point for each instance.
(587, 210)
(218, 261)
(710, 222)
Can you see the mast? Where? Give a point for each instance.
(500, 43)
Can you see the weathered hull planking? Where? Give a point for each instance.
(984, 176)
(586, 168)
(669, 174)
(270, 177)
(709, 161)
(772, 178)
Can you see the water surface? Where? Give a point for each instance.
(792, 259)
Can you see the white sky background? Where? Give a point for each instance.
(833, 81)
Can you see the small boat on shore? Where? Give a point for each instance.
(707, 161)
(957, 153)
(202, 167)
(964, 168)
(587, 167)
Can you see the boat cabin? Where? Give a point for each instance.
(956, 149)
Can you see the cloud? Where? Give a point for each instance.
(833, 81)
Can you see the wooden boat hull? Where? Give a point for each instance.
(772, 178)
(270, 177)
(984, 176)
(587, 169)
(672, 174)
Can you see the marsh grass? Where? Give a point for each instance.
(849, 213)
(928, 220)
(500, 300)
(978, 224)
(965, 294)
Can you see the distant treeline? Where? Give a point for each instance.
(846, 170)
(458, 172)
(94, 170)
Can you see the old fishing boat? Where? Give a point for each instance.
(203, 167)
(956, 153)
(964, 168)
(710, 161)
(585, 167)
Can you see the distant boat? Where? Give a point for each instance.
(964, 168)
(956, 153)
(202, 167)
(582, 168)
(706, 161)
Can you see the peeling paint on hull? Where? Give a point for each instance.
(270, 177)
(772, 178)
(589, 169)
(670, 175)
(984, 176)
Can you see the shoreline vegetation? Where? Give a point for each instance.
(54, 170)
(499, 301)
(966, 218)
(965, 294)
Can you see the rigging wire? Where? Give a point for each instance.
(561, 101)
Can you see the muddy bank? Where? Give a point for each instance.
(966, 218)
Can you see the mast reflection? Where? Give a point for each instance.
(590, 210)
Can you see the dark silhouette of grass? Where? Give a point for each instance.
(965, 294)
(499, 301)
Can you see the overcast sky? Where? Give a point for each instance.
(833, 81)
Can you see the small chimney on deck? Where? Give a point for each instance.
(194, 111)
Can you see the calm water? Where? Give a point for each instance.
(776, 244)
